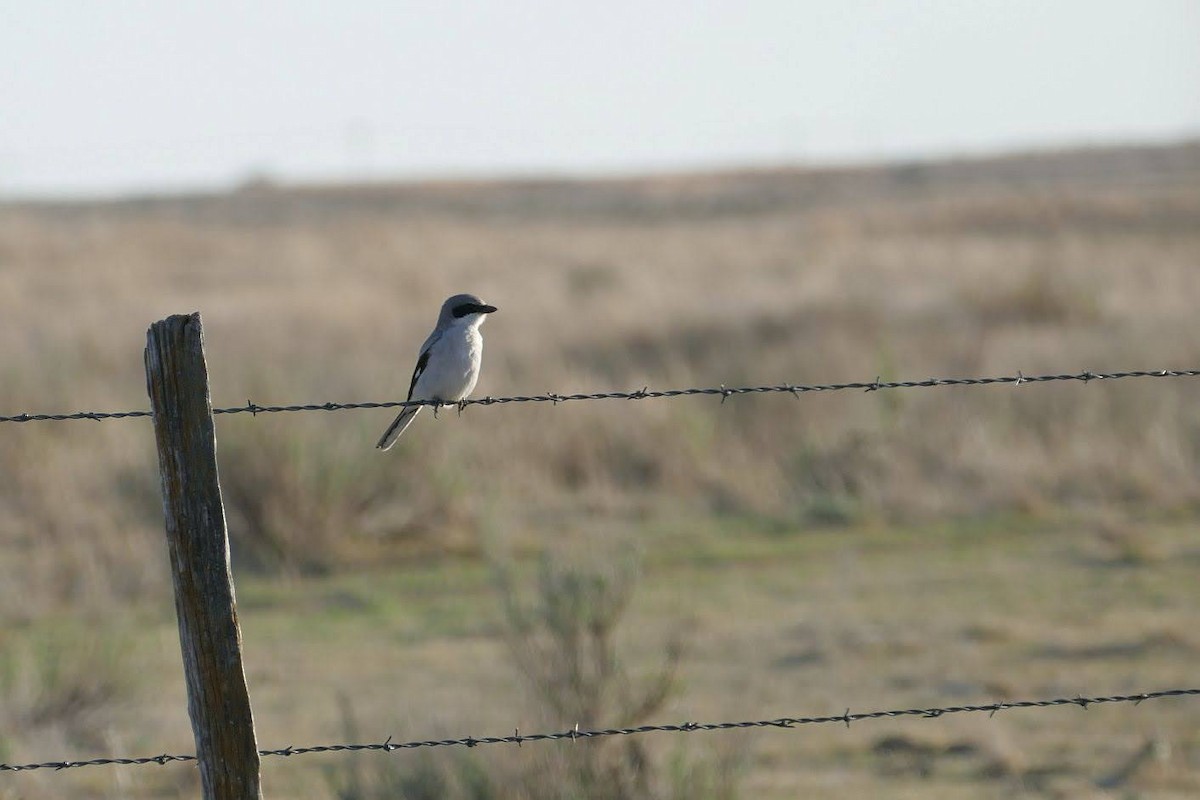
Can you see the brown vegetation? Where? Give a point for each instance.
(1054, 262)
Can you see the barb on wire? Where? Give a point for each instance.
(645, 393)
(575, 733)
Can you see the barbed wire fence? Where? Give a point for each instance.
(724, 392)
(576, 734)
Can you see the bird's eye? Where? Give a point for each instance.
(462, 310)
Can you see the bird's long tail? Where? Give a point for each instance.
(397, 427)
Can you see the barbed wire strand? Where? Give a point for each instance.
(575, 734)
(725, 392)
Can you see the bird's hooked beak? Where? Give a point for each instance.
(483, 309)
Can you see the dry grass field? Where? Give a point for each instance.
(872, 550)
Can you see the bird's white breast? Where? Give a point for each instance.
(453, 366)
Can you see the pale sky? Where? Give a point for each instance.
(117, 97)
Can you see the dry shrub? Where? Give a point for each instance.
(299, 500)
(292, 506)
(563, 639)
(1039, 296)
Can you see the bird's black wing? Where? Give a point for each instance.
(422, 362)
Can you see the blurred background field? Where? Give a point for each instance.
(751, 559)
(655, 195)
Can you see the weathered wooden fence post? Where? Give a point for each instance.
(218, 702)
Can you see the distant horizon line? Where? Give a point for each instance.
(266, 180)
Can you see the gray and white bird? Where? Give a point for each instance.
(448, 365)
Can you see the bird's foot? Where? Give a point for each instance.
(461, 405)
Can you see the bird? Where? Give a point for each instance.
(448, 364)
